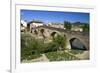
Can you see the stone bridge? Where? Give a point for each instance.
(71, 35)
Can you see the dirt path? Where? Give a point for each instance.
(45, 58)
(84, 55)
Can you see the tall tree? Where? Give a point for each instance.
(85, 27)
(67, 25)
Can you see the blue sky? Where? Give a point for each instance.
(54, 16)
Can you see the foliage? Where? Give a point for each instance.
(32, 48)
(67, 25)
(60, 56)
(76, 51)
(61, 40)
(85, 27)
(51, 47)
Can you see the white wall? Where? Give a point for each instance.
(5, 36)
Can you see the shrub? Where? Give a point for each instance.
(67, 25)
(60, 56)
(61, 41)
(76, 51)
(31, 46)
(51, 47)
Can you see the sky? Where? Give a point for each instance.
(54, 16)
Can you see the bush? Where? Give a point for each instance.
(30, 46)
(60, 56)
(67, 25)
(51, 47)
(61, 41)
(58, 42)
(76, 51)
(33, 48)
(85, 27)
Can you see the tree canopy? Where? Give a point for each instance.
(67, 25)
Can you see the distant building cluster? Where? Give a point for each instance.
(33, 24)
(76, 28)
(56, 25)
(30, 25)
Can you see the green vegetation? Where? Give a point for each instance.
(85, 27)
(32, 48)
(61, 41)
(67, 25)
(60, 56)
(76, 51)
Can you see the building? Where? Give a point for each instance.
(23, 25)
(76, 28)
(56, 25)
(33, 24)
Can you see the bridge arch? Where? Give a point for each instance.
(76, 43)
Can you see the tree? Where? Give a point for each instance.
(85, 27)
(67, 25)
(61, 41)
